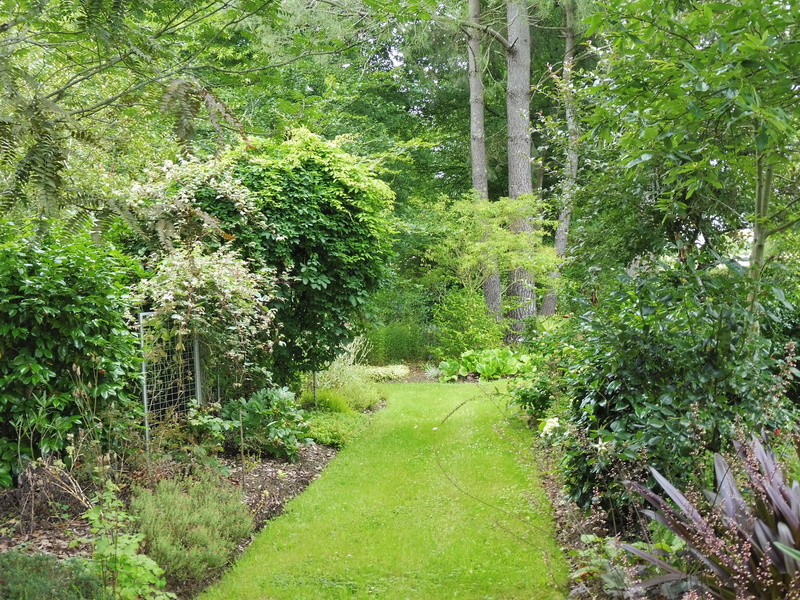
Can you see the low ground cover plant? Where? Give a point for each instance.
(489, 364)
(44, 577)
(336, 429)
(192, 526)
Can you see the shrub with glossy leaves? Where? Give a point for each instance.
(666, 368)
(65, 349)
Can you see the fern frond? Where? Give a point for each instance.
(8, 201)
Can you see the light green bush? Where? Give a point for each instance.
(463, 323)
(398, 342)
(348, 377)
(336, 429)
(327, 400)
(192, 527)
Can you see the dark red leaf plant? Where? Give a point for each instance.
(743, 544)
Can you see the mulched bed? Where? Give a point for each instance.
(268, 484)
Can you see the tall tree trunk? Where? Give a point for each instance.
(518, 94)
(480, 172)
(760, 227)
(571, 175)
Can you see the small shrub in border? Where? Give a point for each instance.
(327, 401)
(270, 422)
(463, 322)
(125, 572)
(192, 527)
(44, 577)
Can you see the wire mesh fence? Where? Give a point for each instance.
(171, 374)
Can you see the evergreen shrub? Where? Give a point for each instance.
(44, 577)
(665, 370)
(66, 353)
(192, 527)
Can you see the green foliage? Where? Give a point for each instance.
(667, 368)
(487, 364)
(472, 239)
(463, 323)
(744, 543)
(329, 239)
(70, 77)
(335, 429)
(697, 105)
(327, 400)
(65, 351)
(221, 299)
(398, 342)
(549, 343)
(125, 572)
(270, 421)
(302, 209)
(533, 392)
(203, 424)
(44, 577)
(192, 527)
(349, 378)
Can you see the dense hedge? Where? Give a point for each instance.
(65, 350)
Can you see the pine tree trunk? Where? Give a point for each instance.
(480, 179)
(518, 91)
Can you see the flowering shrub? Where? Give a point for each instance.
(302, 212)
(222, 299)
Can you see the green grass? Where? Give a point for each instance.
(414, 508)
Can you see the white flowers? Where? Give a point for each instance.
(551, 429)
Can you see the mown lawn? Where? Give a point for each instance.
(418, 507)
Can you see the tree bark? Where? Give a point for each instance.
(760, 226)
(550, 302)
(518, 94)
(480, 173)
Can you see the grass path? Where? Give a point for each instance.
(418, 508)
